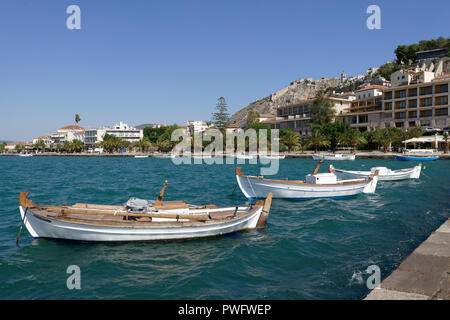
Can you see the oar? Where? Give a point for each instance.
(21, 225)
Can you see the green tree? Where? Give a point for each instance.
(40, 145)
(2, 147)
(445, 137)
(387, 136)
(333, 131)
(352, 138)
(221, 117)
(77, 146)
(19, 147)
(322, 111)
(77, 118)
(290, 139)
(143, 144)
(413, 132)
(252, 118)
(317, 140)
(387, 69)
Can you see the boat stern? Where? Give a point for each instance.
(371, 186)
(416, 172)
(263, 217)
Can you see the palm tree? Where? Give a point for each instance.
(290, 139)
(386, 137)
(143, 144)
(3, 147)
(352, 138)
(77, 118)
(317, 140)
(40, 145)
(19, 147)
(445, 137)
(77, 145)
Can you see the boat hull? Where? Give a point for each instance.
(396, 175)
(333, 157)
(39, 227)
(416, 158)
(256, 188)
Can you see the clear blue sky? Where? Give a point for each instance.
(144, 61)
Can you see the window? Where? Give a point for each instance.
(402, 104)
(443, 100)
(387, 115)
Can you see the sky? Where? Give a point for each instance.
(168, 61)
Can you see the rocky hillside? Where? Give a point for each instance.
(294, 93)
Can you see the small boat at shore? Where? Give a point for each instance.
(271, 157)
(141, 156)
(139, 220)
(25, 155)
(335, 156)
(316, 185)
(245, 156)
(416, 157)
(385, 174)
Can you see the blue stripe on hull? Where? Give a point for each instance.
(407, 158)
(303, 199)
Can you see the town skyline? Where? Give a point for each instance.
(151, 70)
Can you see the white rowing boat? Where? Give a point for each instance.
(316, 185)
(168, 220)
(271, 157)
(336, 156)
(245, 156)
(385, 174)
(140, 156)
(25, 155)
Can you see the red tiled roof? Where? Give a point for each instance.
(72, 127)
(41, 137)
(374, 86)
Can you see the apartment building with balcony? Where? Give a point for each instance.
(298, 116)
(365, 111)
(422, 104)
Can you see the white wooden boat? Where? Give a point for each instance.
(25, 155)
(202, 156)
(335, 156)
(316, 185)
(269, 156)
(245, 156)
(385, 174)
(141, 156)
(168, 220)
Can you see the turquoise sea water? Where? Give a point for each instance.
(316, 249)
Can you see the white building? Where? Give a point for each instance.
(369, 92)
(196, 126)
(404, 77)
(121, 130)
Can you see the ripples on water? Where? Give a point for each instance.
(316, 249)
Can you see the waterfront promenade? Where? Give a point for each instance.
(424, 275)
(299, 155)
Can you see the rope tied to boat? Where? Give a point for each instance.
(254, 193)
